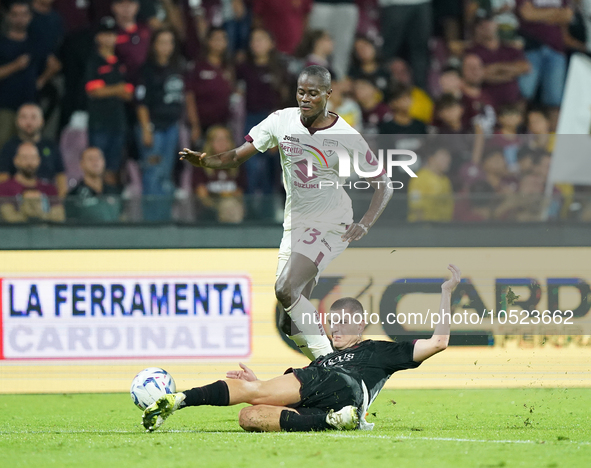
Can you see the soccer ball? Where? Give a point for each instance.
(149, 385)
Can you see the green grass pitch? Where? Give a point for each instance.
(414, 428)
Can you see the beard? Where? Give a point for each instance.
(29, 134)
(28, 172)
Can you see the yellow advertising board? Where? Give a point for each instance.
(88, 321)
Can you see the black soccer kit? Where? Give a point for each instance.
(337, 379)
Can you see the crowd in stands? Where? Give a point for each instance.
(98, 96)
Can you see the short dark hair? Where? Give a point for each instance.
(492, 151)
(320, 72)
(538, 109)
(398, 90)
(527, 152)
(509, 109)
(26, 3)
(349, 303)
(446, 101)
(450, 69)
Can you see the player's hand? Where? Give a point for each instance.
(451, 283)
(244, 374)
(194, 157)
(355, 232)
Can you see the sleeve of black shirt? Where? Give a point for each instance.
(142, 90)
(71, 203)
(59, 161)
(6, 157)
(91, 73)
(395, 356)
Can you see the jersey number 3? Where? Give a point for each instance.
(313, 233)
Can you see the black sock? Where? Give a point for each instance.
(215, 394)
(295, 422)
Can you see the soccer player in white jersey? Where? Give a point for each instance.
(318, 222)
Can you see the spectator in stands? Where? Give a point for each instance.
(93, 200)
(285, 20)
(47, 27)
(77, 47)
(503, 13)
(503, 64)
(210, 85)
(316, 49)
(263, 80)
(422, 105)
(373, 108)
(220, 191)
(74, 14)
(369, 19)
(478, 106)
(100, 9)
(193, 28)
(158, 14)
(399, 120)
(506, 137)
(430, 194)
(237, 23)
(538, 127)
(366, 64)
(524, 205)
(543, 25)
(25, 197)
(160, 102)
(476, 204)
(525, 159)
(20, 65)
(339, 18)
(410, 22)
(450, 82)
(492, 168)
(29, 125)
(107, 93)
(341, 104)
(133, 38)
(448, 115)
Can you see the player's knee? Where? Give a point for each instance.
(247, 418)
(283, 292)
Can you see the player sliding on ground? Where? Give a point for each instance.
(318, 223)
(333, 392)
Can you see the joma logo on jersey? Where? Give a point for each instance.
(290, 138)
(378, 164)
(291, 149)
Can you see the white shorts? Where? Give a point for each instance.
(321, 245)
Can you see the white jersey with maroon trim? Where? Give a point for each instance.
(308, 203)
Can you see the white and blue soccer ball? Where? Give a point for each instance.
(149, 385)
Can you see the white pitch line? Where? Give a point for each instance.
(356, 435)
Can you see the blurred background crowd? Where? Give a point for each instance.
(98, 96)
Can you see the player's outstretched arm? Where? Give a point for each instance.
(381, 196)
(424, 349)
(227, 160)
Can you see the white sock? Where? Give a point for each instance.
(311, 328)
(301, 343)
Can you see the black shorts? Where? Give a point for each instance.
(327, 389)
